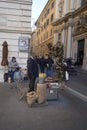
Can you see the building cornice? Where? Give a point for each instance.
(46, 41)
(83, 31)
(70, 15)
(65, 18)
(80, 10)
(80, 35)
(15, 31)
(18, 2)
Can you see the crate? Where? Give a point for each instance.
(52, 91)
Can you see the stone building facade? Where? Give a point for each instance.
(15, 29)
(71, 25)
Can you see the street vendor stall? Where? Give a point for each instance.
(52, 88)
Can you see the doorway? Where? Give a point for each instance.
(80, 54)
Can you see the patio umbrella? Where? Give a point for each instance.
(4, 54)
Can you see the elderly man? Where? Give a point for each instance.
(33, 71)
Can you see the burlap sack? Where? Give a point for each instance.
(31, 98)
(41, 92)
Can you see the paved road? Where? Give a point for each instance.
(78, 83)
(68, 113)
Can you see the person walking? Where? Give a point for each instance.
(13, 65)
(33, 71)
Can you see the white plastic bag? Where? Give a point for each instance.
(66, 75)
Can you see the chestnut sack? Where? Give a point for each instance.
(41, 92)
(31, 98)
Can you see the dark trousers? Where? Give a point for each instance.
(49, 72)
(41, 69)
(31, 84)
(11, 74)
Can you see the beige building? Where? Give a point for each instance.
(15, 29)
(33, 43)
(65, 21)
(44, 31)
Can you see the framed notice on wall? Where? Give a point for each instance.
(24, 44)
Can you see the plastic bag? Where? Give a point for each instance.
(66, 75)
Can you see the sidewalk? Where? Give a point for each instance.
(77, 84)
(80, 70)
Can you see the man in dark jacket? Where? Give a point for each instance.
(33, 71)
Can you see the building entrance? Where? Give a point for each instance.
(80, 54)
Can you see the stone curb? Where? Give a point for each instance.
(75, 93)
